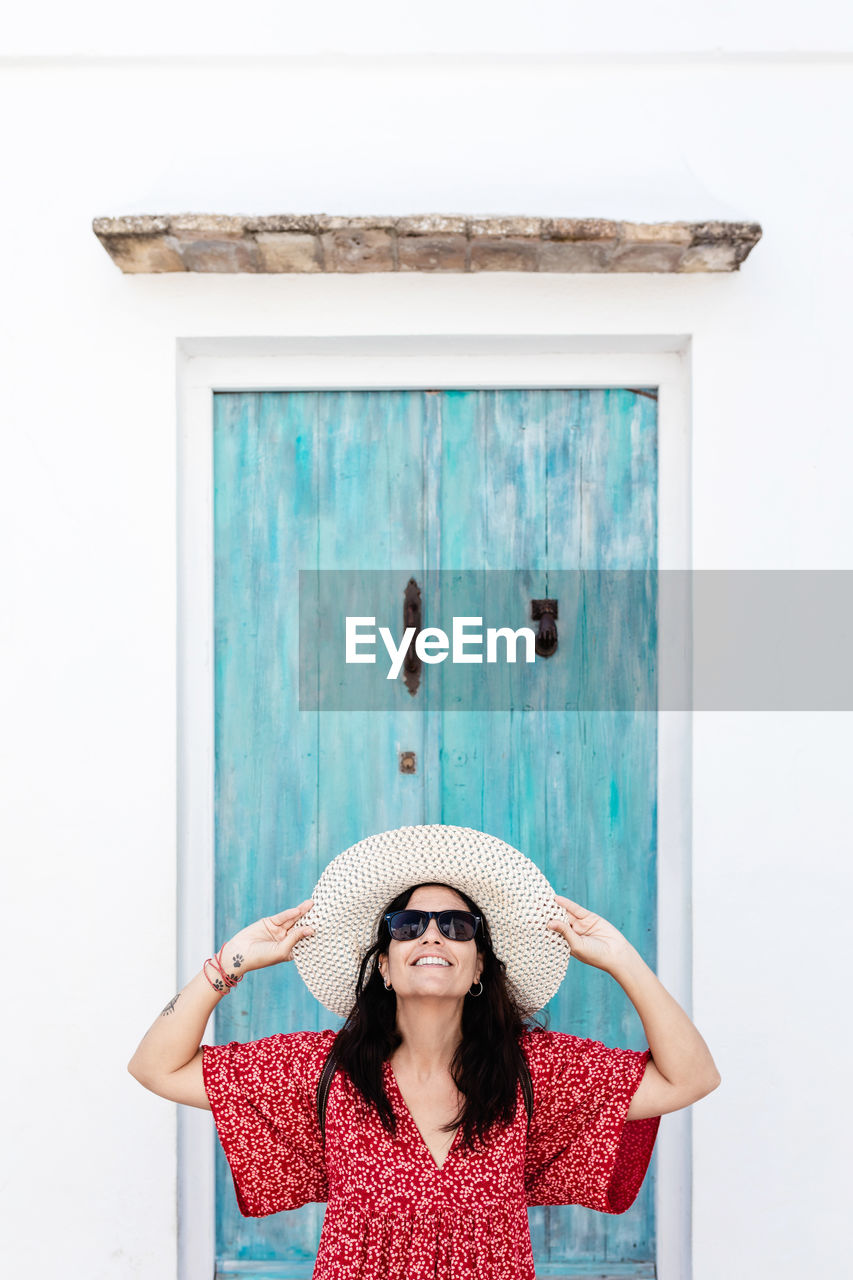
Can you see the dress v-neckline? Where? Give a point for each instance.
(405, 1107)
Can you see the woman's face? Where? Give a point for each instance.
(411, 967)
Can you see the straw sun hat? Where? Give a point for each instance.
(515, 897)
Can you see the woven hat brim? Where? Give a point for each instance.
(356, 886)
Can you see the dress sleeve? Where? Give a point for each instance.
(581, 1150)
(263, 1098)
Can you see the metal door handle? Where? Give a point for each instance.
(545, 611)
(412, 618)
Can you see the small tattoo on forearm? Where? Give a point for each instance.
(170, 1007)
(236, 961)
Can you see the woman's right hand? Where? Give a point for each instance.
(170, 1060)
(268, 941)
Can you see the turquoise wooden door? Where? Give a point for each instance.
(537, 482)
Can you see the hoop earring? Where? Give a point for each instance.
(387, 985)
(473, 993)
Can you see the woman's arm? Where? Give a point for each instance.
(682, 1070)
(168, 1060)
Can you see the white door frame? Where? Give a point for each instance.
(206, 365)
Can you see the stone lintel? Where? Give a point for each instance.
(428, 242)
(433, 224)
(506, 228)
(588, 230)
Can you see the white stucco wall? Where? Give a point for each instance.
(98, 27)
(88, 526)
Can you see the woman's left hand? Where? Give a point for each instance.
(591, 938)
(681, 1069)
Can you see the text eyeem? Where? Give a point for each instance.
(433, 645)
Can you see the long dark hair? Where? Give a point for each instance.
(485, 1066)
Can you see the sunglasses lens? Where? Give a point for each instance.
(406, 925)
(459, 926)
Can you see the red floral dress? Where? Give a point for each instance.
(393, 1213)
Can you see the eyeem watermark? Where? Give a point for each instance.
(432, 644)
(633, 640)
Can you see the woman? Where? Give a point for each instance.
(447, 1112)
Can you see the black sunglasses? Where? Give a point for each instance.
(459, 926)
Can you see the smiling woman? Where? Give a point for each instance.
(447, 1111)
(428, 1002)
